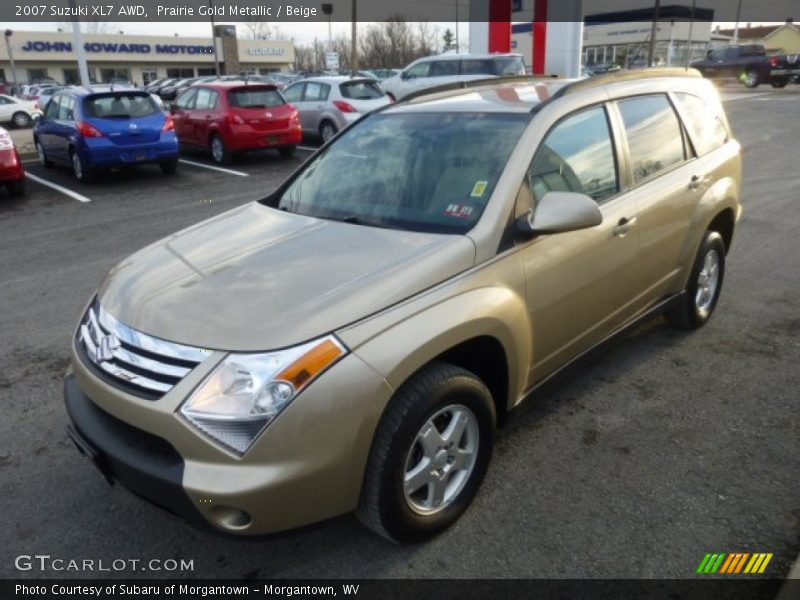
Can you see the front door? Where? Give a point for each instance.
(578, 284)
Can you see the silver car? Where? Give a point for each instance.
(329, 104)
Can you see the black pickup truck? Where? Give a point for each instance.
(748, 63)
(785, 68)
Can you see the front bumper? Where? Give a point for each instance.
(306, 467)
(145, 464)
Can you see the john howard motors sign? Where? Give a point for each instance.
(118, 48)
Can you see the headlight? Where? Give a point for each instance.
(245, 392)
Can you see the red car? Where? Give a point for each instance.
(12, 173)
(232, 116)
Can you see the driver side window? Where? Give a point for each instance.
(576, 156)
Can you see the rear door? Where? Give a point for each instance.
(294, 94)
(668, 181)
(314, 98)
(47, 129)
(64, 128)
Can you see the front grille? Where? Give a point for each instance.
(144, 365)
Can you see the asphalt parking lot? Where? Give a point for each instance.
(662, 448)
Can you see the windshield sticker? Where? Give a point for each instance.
(479, 188)
(460, 211)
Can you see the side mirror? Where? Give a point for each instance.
(558, 212)
(404, 75)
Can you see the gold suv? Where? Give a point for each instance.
(351, 341)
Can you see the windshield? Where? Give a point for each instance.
(422, 172)
(120, 106)
(254, 97)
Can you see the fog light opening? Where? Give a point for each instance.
(228, 517)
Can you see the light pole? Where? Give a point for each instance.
(354, 47)
(736, 27)
(327, 9)
(651, 54)
(80, 53)
(214, 38)
(8, 35)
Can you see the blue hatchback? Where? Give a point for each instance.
(95, 128)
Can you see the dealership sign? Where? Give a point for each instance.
(115, 48)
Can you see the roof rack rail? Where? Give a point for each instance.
(465, 85)
(627, 75)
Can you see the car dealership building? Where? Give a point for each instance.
(139, 59)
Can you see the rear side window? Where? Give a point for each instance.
(66, 109)
(120, 106)
(655, 139)
(361, 90)
(255, 98)
(206, 99)
(577, 156)
(53, 107)
(443, 68)
(500, 66)
(186, 99)
(316, 91)
(707, 128)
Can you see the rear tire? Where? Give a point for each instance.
(287, 151)
(429, 455)
(327, 131)
(169, 167)
(81, 171)
(705, 284)
(16, 188)
(219, 152)
(21, 120)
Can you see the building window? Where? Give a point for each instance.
(114, 75)
(176, 73)
(206, 72)
(3, 75)
(37, 75)
(73, 77)
(268, 71)
(148, 76)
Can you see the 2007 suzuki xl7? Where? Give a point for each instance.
(351, 341)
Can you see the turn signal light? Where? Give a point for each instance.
(345, 107)
(88, 130)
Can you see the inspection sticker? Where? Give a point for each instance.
(479, 188)
(461, 211)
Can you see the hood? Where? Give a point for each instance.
(256, 278)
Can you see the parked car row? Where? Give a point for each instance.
(750, 64)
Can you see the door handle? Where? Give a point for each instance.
(624, 225)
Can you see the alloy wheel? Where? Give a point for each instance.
(707, 281)
(441, 459)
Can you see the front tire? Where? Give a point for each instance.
(751, 79)
(45, 162)
(21, 120)
(705, 285)
(779, 82)
(429, 455)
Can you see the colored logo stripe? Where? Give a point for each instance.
(734, 563)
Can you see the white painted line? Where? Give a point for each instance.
(59, 188)
(735, 97)
(307, 148)
(213, 168)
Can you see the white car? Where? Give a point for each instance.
(21, 113)
(432, 71)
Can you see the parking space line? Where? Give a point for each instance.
(213, 168)
(58, 188)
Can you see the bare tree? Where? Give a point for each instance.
(261, 30)
(90, 27)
